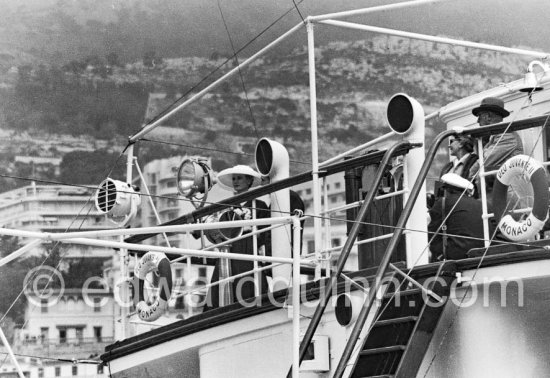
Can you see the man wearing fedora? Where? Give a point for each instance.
(498, 148)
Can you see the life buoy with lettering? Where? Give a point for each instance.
(153, 262)
(533, 171)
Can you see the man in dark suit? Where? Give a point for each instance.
(456, 225)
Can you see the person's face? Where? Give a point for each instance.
(454, 146)
(241, 183)
(487, 117)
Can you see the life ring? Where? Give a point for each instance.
(533, 171)
(157, 262)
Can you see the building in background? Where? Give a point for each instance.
(54, 208)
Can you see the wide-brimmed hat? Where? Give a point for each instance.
(456, 181)
(493, 104)
(225, 177)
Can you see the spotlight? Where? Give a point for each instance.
(195, 178)
(118, 200)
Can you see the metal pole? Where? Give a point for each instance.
(10, 352)
(379, 8)
(199, 95)
(296, 227)
(19, 252)
(431, 38)
(124, 258)
(483, 188)
(346, 250)
(317, 224)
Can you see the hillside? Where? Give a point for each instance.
(108, 102)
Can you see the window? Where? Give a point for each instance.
(335, 242)
(310, 246)
(79, 334)
(97, 333)
(100, 369)
(62, 336)
(337, 185)
(75, 370)
(97, 304)
(57, 371)
(43, 306)
(179, 273)
(180, 304)
(308, 191)
(202, 271)
(40, 372)
(44, 331)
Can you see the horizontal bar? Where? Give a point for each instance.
(370, 158)
(445, 40)
(379, 8)
(203, 92)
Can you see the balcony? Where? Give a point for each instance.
(80, 347)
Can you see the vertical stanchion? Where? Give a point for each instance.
(314, 149)
(483, 190)
(296, 297)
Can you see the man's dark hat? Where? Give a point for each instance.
(492, 104)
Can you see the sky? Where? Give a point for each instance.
(504, 22)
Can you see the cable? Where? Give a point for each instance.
(53, 249)
(240, 72)
(170, 107)
(466, 291)
(298, 10)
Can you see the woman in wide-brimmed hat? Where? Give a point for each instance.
(239, 179)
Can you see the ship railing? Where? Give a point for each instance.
(477, 133)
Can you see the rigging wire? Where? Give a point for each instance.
(211, 149)
(478, 267)
(298, 10)
(240, 72)
(53, 249)
(336, 219)
(210, 74)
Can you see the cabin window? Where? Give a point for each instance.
(57, 371)
(40, 372)
(100, 369)
(75, 370)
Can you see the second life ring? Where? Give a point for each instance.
(533, 171)
(159, 263)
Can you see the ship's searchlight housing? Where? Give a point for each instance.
(118, 200)
(405, 114)
(195, 178)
